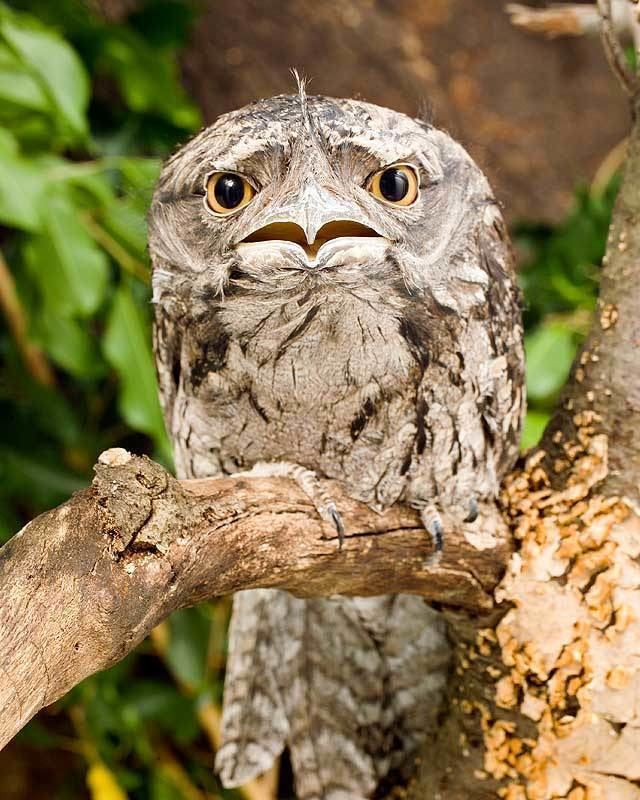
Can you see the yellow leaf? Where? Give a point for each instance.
(103, 784)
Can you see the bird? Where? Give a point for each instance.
(335, 297)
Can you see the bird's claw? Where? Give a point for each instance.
(308, 482)
(336, 519)
(437, 534)
(472, 514)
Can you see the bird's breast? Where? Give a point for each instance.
(331, 386)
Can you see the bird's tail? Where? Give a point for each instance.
(350, 685)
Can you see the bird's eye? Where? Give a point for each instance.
(397, 185)
(228, 192)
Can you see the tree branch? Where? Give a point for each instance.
(34, 359)
(85, 582)
(615, 54)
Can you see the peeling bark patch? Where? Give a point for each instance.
(608, 316)
(571, 639)
(480, 539)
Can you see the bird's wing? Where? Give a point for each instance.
(502, 386)
(470, 400)
(167, 343)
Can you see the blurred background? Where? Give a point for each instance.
(93, 96)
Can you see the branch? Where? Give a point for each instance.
(614, 51)
(572, 19)
(556, 20)
(84, 583)
(32, 356)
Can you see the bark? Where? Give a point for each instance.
(605, 383)
(86, 582)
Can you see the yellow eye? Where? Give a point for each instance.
(397, 185)
(228, 192)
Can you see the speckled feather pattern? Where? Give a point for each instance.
(394, 366)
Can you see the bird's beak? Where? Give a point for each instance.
(311, 221)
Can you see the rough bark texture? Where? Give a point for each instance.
(605, 385)
(84, 583)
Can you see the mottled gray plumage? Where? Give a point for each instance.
(392, 363)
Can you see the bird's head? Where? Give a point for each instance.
(296, 189)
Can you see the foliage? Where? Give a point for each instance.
(88, 109)
(559, 277)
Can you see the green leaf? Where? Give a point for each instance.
(188, 646)
(126, 345)
(21, 192)
(140, 175)
(549, 351)
(164, 23)
(148, 79)
(89, 184)
(70, 270)
(70, 345)
(51, 61)
(8, 144)
(31, 413)
(17, 87)
(534, 424)
(124, 221)
(163, 789)
(31, 469)
(163, 704)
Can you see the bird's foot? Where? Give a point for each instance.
(308, 481)
(432, 521)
